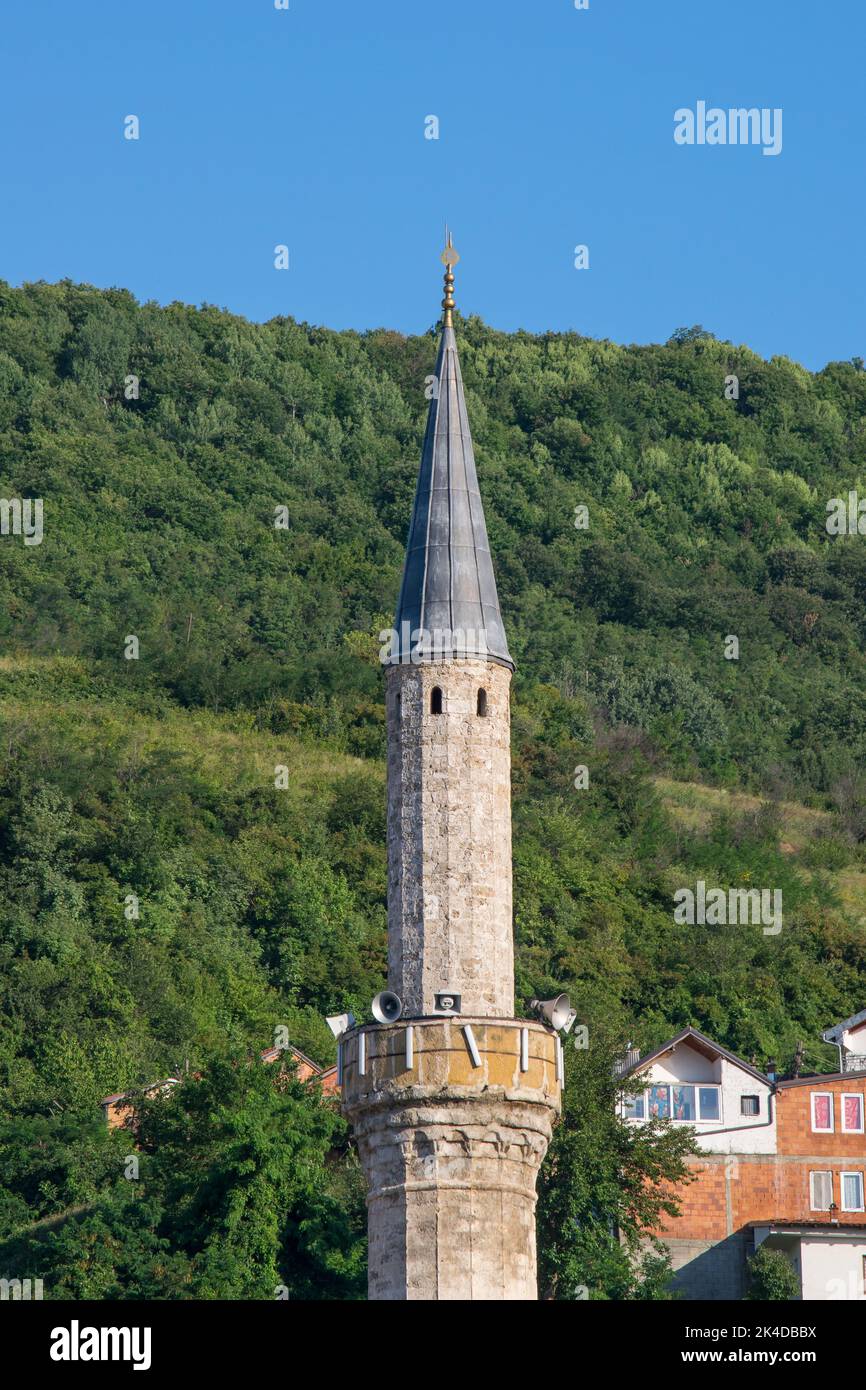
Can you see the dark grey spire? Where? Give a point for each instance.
(448, 585)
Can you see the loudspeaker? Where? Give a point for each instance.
(556, 1013)
(387, 1007)
(446, 1003)
(340, 1023)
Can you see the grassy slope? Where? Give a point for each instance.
(49, 703)
(693, 805)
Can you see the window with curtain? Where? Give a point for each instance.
(821, 1188)
(852, 1191)
(686, 1103)
(660, 1102)
(822, 1112)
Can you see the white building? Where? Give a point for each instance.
(697, 1082)
(850, 1038)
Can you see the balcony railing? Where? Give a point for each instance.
(854, 1061)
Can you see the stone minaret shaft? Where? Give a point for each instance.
(452, 1113)
(449, 837)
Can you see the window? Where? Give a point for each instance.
(822, 1112)
(482, 704)
(750, 1105)
(436, 700)
(852, 1191)
(683, 1107)
(820, 1190)
(688, 1104)
(635, 1108)
(660, 1102)
(852, 1112)
(708, 1102)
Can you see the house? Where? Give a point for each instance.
(696, 1081)
(830, 1259)
(782, 1163)
(328, 1081)
(850, 1038)
(307, 1069)
(119, 1109)
(305, 1066)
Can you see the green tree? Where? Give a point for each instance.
(772, 1277)
(604, 1187)
(239, 1156)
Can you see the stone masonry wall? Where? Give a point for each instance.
(451, 1148)
(449, 838)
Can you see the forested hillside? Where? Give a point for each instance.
(236, 497)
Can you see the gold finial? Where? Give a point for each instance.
(449, 259)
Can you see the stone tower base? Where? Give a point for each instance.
(451, 1144)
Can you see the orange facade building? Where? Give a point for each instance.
(783, 1163)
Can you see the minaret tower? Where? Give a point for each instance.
(453, 1102)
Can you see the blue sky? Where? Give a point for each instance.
(306, 127)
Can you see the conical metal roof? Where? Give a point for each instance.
(448, 592)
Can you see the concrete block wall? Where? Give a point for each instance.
(711, 1269)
